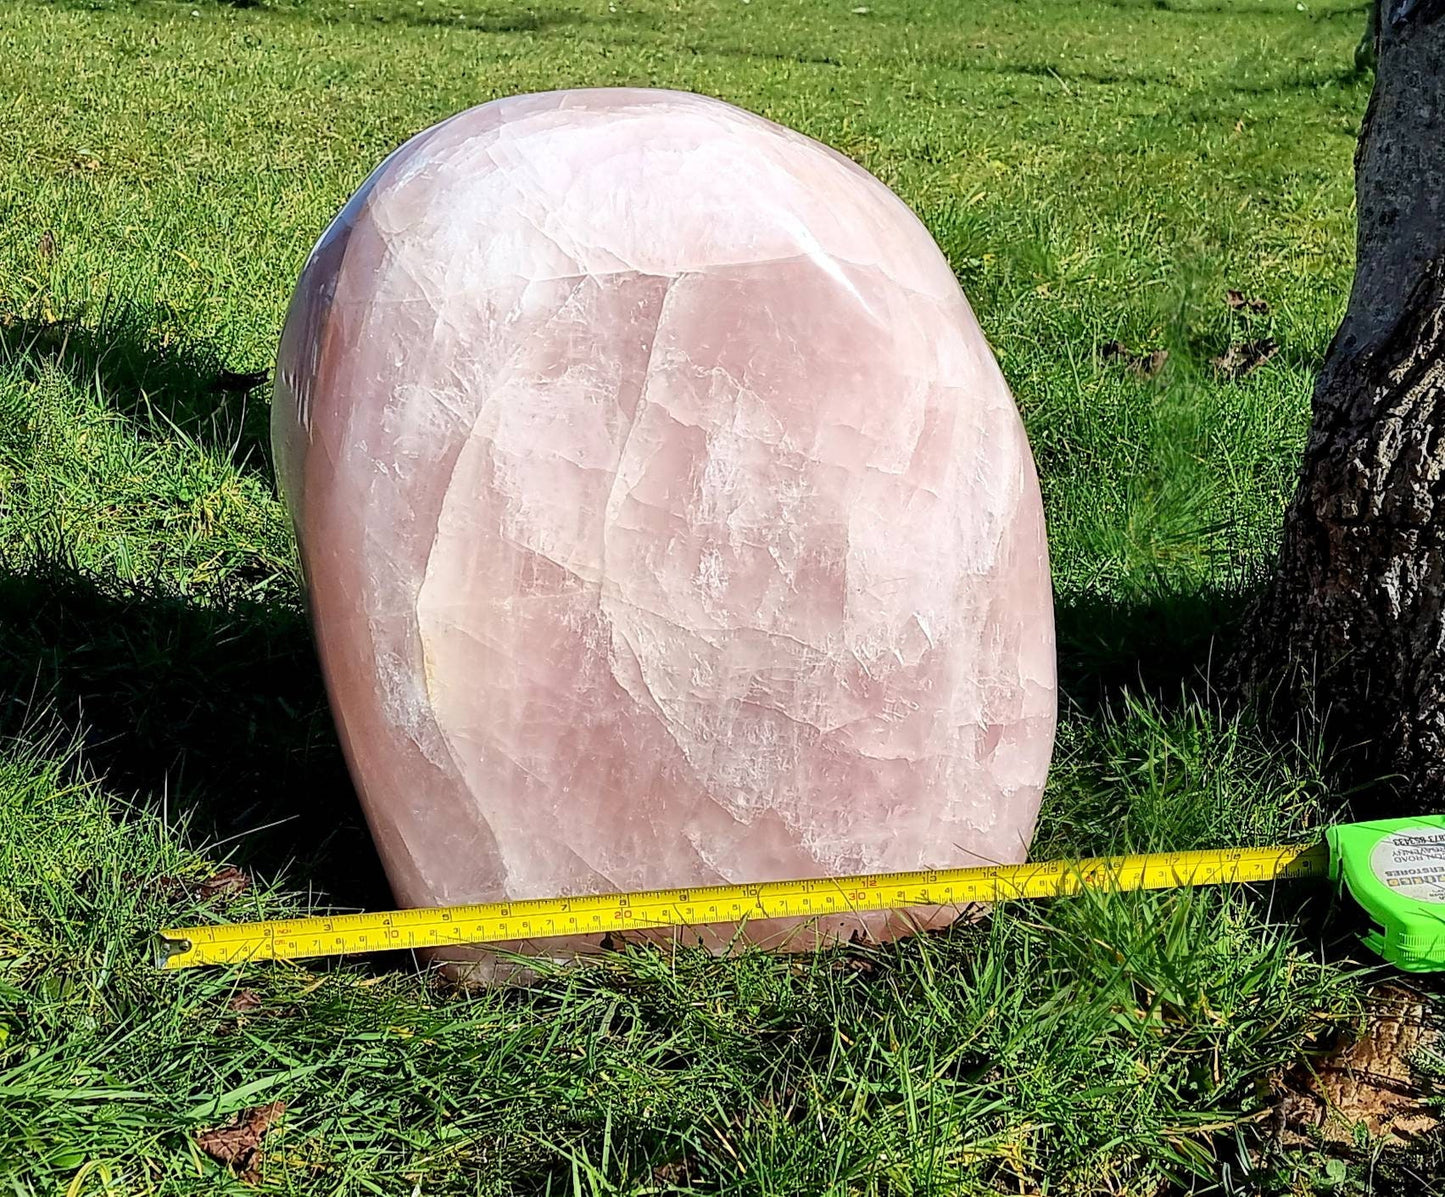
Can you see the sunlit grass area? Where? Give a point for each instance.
(1100, 175)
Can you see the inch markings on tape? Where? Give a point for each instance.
(542, 918)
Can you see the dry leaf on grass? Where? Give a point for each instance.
(244, 1002)
(1148, 365)
(241, 1007)
(161, 884)
(1368, 1080)
(1237, 302)
(1239, 360)
(230, 882)
(1142, 365)
(673, 1172)
(238, 1144)
(854, 962)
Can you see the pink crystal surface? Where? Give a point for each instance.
(665, 517)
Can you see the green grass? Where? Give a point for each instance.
(1094, 171)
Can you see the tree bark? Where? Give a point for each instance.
(1351, 624)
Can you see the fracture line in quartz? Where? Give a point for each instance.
(613, 501)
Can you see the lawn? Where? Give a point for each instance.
(1096, 172)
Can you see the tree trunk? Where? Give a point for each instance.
(1351, 625)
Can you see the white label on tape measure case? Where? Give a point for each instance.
(1412, 863)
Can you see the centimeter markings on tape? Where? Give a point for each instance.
(541, 918)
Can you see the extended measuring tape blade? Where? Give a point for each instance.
(542, 918)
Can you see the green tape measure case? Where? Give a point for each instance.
(1395, 870)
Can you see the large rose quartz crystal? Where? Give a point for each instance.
(665, 517)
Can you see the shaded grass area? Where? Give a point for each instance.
(1095, 172)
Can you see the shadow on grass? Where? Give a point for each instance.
(1279, 8)
(505, 18)
(1169, 646)
(221, 710)
(224, 708)
(1063, 73)
(505, 21)
(160, 383)
(619, 28)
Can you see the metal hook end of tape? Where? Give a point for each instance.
(168, 947)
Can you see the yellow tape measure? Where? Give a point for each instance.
(540, 918)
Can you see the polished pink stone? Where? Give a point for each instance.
(665, 517)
